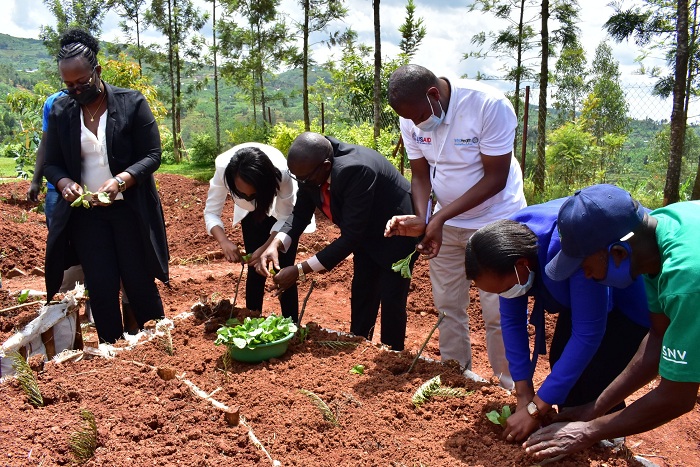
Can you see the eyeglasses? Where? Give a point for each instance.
(306, 180)
(238, 194)
(72, 90)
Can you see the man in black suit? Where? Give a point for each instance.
(358, 190)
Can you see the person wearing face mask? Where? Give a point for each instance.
(459, 138)
(263, 194)
(597, 332)
(358, 190)
(105, 139)
(603, 230)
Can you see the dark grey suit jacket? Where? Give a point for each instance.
(366, 191)
(133, 145)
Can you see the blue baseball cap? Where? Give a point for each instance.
(589, 221)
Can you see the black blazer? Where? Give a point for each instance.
(133, 146)
(366, 191)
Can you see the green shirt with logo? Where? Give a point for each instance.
(675, 291)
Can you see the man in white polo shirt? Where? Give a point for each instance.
(459, 138)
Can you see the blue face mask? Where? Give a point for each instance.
(433, 121)
(620, 276)
(519, 289)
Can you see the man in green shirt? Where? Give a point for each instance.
(605, 232)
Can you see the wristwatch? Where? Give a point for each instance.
(121, 184)
(533, 410)
(300, 268)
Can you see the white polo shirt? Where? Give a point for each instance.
(479, 120)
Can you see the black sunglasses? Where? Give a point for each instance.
(72, 90)
(306, 180)
(238, 194)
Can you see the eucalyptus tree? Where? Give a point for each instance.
(672, 28)
(132, 24)
(84, 14)
(253, 51)
(570, 78)
(412, 32)
(214, 54)
(318, 15)
(179, 21)
(515, 45)
(377, 88)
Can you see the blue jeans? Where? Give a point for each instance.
(50, 201)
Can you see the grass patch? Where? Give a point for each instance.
(202, 173)
(7, 167)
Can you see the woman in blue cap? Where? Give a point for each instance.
(598, 328)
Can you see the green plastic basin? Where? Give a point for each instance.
(261, 352)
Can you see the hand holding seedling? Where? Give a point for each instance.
(285, 278)
(70, 190)
(269, 259)
(559, 439)
(407, 226)
(519, 425)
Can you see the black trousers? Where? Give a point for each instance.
(373, 285)
(620, 342)
(255, 234)
(111, 250)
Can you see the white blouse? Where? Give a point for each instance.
(93, 149)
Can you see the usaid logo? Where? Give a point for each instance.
(674, 355)
(422, 139)
(467, 141)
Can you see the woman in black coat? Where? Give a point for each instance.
(105, 139)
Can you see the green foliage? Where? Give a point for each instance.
(572, 155)
(203, 149)
(499, 418)
(125, 73)
(657, 161)
(26, 378)
(23, 296)
(358, 370)
(321, 406)
(337, 345)
(403, 266)
(84, 199)
(247, 132)
(84, 442)
(282, 134)
(254, 331)
(426, 391)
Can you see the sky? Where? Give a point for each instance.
(449, 25)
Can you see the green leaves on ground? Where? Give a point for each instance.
(499, 418)
(26, 378)
(254, 331)
(433, 387)
(84, 442)
(84, 199)
(358, 370)
(23, 296)
(404, 266)
(321, 406)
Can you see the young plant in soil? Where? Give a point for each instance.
(433, 387)
(84, 442)
(26, 378)
(321, 406)
(253, 332)
(358, 370)
(499, 418)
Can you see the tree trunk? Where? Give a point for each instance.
(216, 81)
(171, 71)
(518, 76)
(305, 67)
(542, 112)
(678, 115)
(377, 72)
(177, 140)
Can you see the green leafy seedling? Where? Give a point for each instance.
(253, 332)
(246, 258)
(84, 199)
(499, 418)
(23, 296)
(403, 266)
(358, 370)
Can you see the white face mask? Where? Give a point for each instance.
(433, 121)
(519, 289)
(245, 204)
